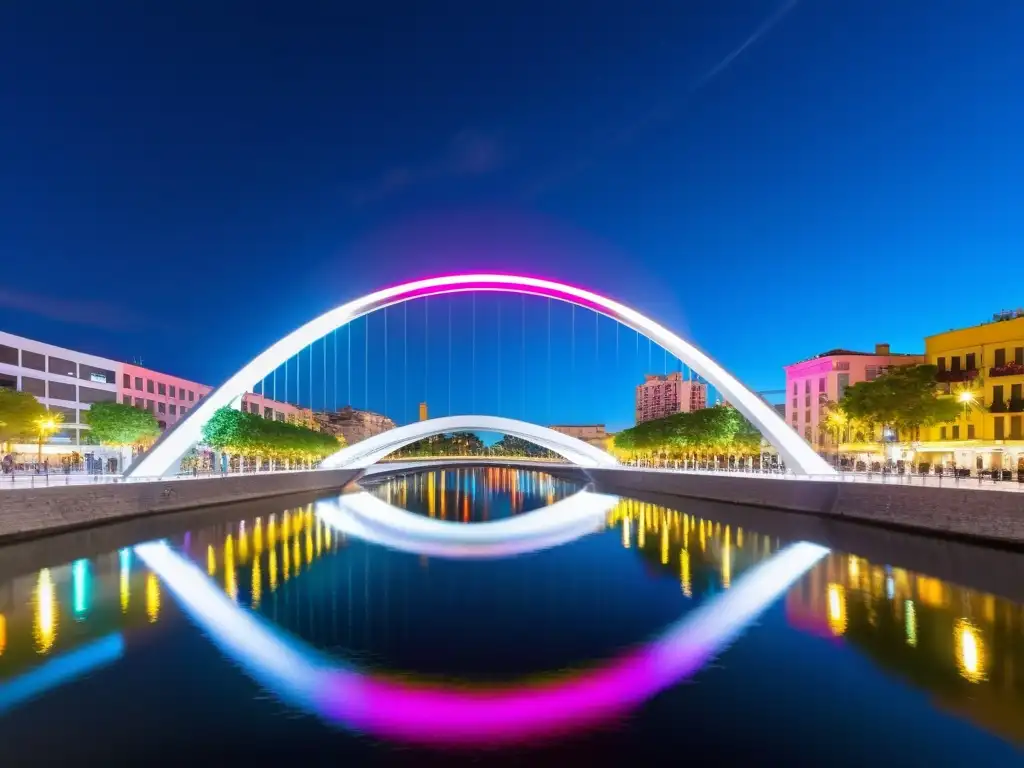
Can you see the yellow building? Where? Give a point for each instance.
(423, 412)
(983, 368)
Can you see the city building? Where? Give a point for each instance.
(661, 396)
(423, 412)
(983, 367)
(68, 382)
(351, 424)
(812, 383)
(595, 434)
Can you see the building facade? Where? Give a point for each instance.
(65, 382)
(68, 382)
(351, 424)
(661, 396)
(812, 383)
(982, 366)
(595, 434)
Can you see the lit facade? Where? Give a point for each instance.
(661, 396)
(595, 434)
(810, 384)
(352, 425)
(984, 364)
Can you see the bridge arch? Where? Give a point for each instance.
(166, 452)
(368, 452)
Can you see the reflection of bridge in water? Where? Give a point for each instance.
(960, 645)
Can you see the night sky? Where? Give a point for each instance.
(185, 184)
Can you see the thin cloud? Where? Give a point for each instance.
(468, 154)
(627, 132)
(97, 314)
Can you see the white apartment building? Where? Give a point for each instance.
(661, 396)
(65, 381)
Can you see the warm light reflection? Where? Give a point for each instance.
(664, 545)
(230, 577)
(726, 560)
(152, 597)
(272, 568)
(45, 624)
(309, 545)
(243, 543)
(837, 609)
(625, 533)
(854, 570)
(3, 634)
(684, 573)
(970, 651)
(911, 622)
(257, 537)
(211, 560)
(257, 583)
(124, 558)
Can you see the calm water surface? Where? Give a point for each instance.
(652, 636)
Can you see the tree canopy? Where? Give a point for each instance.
(453, 444)
(510, 445)
(904, 399)
(121, 425)
(721, 429)
(250, 435)
(19, 412)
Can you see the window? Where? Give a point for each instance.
(173, 409)
(138, 383)
(191, 396)
(970, 431)
(278, 416)
(807, 386)
(184, 410)
(70, 414)
(126, 381)
(61, 366)
(870, 372)
(807, 434)
(8, 382)
(997, 394)
(149, 406)
(33, 360)
(8, 355)
(807, 417)
(807, 401)
(161, 389)
(126, 399)
(1000, 358)
(941, 362)
(1015, 392)
(796, 390)
(268, 413)
(35, 387)
(1015, 433)
(1000, 433)
(956, 431)
(954, 363)
(972, 361)
(254, 408)
(794, 404)
(149, 386)
(844, 366)
(821, 384)
(844, 382)
(93, 395)
(162, 424)
(1018, 355)
(59, 390)
(161, 408)
(140, 403)
(942, 433)
(96, 375)
(172, 391)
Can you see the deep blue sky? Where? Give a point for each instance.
(186, 184)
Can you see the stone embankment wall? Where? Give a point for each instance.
(985, 515)
(31, 512)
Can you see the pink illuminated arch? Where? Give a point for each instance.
(164, 456)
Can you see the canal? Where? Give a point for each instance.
(496, 615)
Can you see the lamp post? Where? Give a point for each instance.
(966, 398)
(837, 421)
(45, 427)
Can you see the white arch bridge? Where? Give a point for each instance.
(163, 458)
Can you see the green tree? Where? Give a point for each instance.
(19, 414)
(510, 445)
(247, 434)
(717, 431)
(903, 399)
(121, 425)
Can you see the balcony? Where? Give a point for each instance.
(1007, 406)
(956, 376)
(1010, 369)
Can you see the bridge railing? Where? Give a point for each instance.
(21, 480)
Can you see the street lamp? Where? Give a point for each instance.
(837, 420)
(45, 426)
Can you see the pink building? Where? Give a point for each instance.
(170, 398)
(811, 383)
(661, 396)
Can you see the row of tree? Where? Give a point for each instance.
(902, 400)
(247, 434)
(453, 444)
(717, 431)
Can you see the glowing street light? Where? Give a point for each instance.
(46, 426)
